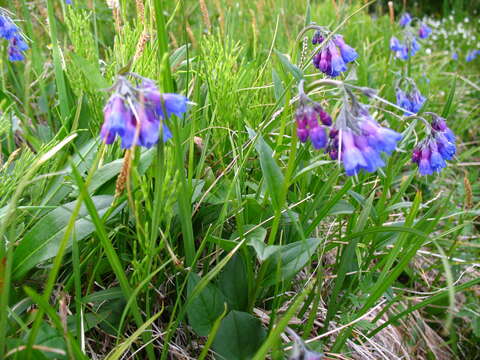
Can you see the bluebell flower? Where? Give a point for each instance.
(471, 55)
(414, 46)
(16, 42)
(403, 102)
(352, 158)
(416, 100)
(379, 137)
(348, 53)
(119, 120)
(137, 115)
(455, 56)
(411, 100)
(333, 58)
(362, 140)
(424, 31)
(307, 118)
(337, 64)
(68, 2)
(401, 50)
(405, 19)
(438, 147)
(424, 166)
(371, 156)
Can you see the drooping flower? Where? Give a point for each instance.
(405, 19)
(471, 55)
(439, 146)
(400, 50)
(334, 56)
(307, 119)
(12, 33)
(414, 46)
(359, 141)
(424, 31)
(411, 100)
(137, 114)
(348, 53)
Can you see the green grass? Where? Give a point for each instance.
(233, 230)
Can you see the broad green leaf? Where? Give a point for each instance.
(41, 242)
(292, 68)
(204, 308)
(233, 283)
(239, 337)
(271, 171)
(290, 259)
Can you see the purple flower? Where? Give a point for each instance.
(348, 53)
(352, 157)
(119, 120)
(68, 2)
(137, 115)
(454, 56)
(414, 46)
(437, 162)
(405, 20)
(401, 50)
(337, 64)
(16, 43)
(334, 56)
(7, 27)
(317, 38)
(416, 100)
(424, 166)
(306, 118)
(318, 136)
(424, 31)
(362, 149)
(379, 137)
(371, 156)
(431, 154)
(471, 55)
(403, 102)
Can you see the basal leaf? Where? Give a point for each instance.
(205, 308)
(41, 242)
(290, 259)
(239, 337)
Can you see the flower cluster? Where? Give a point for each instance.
(406, 49)
(409, 46)
(332, 60)
(137, 113)
(411, 100)
(359, 141)
(12, 33)
(311, 120)
(472, 55)
(439, 145)
(405, 20)
(424, 31)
